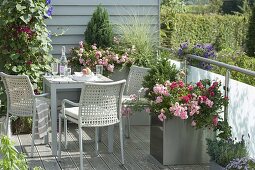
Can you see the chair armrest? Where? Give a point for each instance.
(41, 95)
(69, 102)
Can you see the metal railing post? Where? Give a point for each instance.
(226, 89)
(185, 71)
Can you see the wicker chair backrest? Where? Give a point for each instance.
(135, 79)
(100, 103)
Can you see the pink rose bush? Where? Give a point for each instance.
(91, 55)
(202, 102)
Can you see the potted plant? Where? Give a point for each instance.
(225, 152)
(90, 55)
(174, 141)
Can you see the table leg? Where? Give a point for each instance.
(53, 96)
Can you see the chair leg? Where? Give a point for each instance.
(121, 142)
(81, 149)
(110, 138)
(96, 139)
(124, 126)
(65, 132)
(60, 137)
(128, 126)
(99, 134)
(33, 138)
(7, 125)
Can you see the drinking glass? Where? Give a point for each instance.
(68, 72)
(99, 70)
(54, 69)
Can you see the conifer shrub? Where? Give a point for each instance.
(250, 45)
(99, 31)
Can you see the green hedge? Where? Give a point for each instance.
(225, 31)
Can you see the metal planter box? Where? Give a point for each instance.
(175, 142)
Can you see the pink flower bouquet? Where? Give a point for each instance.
(202, 102)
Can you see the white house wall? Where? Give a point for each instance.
(72, 17)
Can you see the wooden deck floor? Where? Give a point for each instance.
(137, 155)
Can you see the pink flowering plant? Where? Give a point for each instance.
(202, 102)
(90, 56)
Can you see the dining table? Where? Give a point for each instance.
(57, 87)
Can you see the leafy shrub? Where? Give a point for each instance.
(250, 45)
(11, 159)
(24, 38)
(236, 58)
(161, 71)
(99, 30)
(222, 31)
(223, 151)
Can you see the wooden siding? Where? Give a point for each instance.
(71, 18)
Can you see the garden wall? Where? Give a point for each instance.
(241, 107)
(73, 16)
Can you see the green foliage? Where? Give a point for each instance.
(11, 159)
(141, 38)
(222, 31)
(223, 151)
(99, 30)
(198, 9)
(250, 45)
(236, 58)
(24, 38)
(161, 71)
(215, 6)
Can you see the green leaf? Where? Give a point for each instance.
(26, 18)
(19, 7)
(14, 56)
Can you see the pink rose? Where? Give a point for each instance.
(215, 120)
(162, 116)
(147, 110)
(193, 123)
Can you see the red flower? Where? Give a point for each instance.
(181, 84)
(29, 62)
(212, 93)
(190, 87)
(173, 85)
(200, 85)
(186, 98)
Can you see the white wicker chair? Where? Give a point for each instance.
(21, 100)
(99, 105)
(134, 84)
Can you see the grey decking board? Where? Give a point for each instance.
(135, 151)
(25, 143)
(66, 161)
(143, 134)
(110, 159)
(134, 146)
(95, 161)
(130, 163)
(73, 150)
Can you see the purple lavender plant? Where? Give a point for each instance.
(202, 50)
(244, 163)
